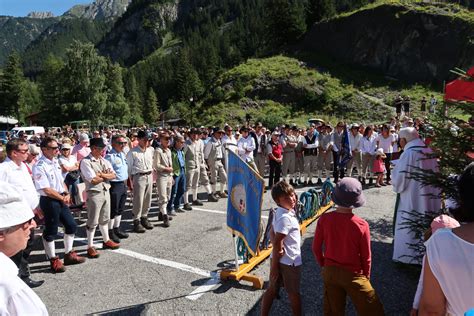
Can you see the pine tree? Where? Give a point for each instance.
(320, 9)
(11, 88)
(151, 113)
(51, 91)
(117, 109)
(134, 101)
(285, 20)
(187, 80)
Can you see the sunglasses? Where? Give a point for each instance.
(53, 148)
(23, 151)
(122, 143)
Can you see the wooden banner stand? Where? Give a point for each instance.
(243, 271)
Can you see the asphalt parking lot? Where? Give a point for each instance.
(175, 270)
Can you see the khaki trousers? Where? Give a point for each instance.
(203, 177)
(356, 161)
(310, 165)
(324, 163)
(338, 283)
(288, 164)
(98, 208)
(217, 168)
(163, 188)
(299, 164)
(367, 162)
(260, 162)
(142, 190)
(192, 178)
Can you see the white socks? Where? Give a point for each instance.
(213, 188)
(111, 223)
(223, 187)
(186, 197)
(195, 194)
(117, 220)
(104, 230)
(90, 237)
(208, 189)
(68, 242)
(49, 248)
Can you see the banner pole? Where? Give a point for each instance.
(234, 239)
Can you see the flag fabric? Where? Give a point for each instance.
(345, 154)
(244, 205)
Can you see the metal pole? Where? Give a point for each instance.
(236, 253)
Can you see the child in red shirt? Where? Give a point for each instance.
(341, 246)
(379, 167)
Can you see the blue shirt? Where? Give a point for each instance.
(180, 159)
(119, 163)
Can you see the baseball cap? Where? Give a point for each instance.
(13, 208)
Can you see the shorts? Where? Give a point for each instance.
(289, 278)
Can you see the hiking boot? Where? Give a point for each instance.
(137, 226)
(113, 236)
(198, 203)
(320, 182)
(120, 234)
(310, 182)
(292, 183)
(222, 195)
(57, 265)
(72, 258)
(166, 221)
(187, 207)
(92, 253)
(179, 210)
(146, 223)
(160, 217)
(371, 181)
(109, 244)
(212, 198)
(362, 181)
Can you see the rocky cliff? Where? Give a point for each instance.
(99, 10)
(140, 31)
(40, 15)
(413, 43)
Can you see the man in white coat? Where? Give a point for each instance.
(412, 195)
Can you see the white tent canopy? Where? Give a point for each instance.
(8, 120)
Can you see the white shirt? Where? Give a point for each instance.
(450, 259)
(16, 298)
(67, 162)
(140, 161)
(386, 143)
(286, 223)
(368, 145)
(47, 174)
(20, 178)
(309, 146)
(354, 141)
(246, 146)
(228, 143)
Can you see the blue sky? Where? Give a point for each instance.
(23, 7)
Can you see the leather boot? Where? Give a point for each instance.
(113, 236)
(166, 220)
(120, 234)
(146, 223)
(137, 226)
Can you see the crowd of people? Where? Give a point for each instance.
(98, 171)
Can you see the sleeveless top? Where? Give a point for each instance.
(310, 141)
(276, 149)
(450, 258)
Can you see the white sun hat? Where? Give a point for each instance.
(13, 208)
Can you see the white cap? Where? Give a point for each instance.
(379, 152)
(13, 208)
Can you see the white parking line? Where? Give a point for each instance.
(216, 212)
(206, 287)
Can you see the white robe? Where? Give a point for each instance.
(412, 197)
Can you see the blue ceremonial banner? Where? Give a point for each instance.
(345, 153)
(245, 201)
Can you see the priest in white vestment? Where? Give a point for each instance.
(412, 195)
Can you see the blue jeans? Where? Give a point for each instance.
(177, 191)
(56, 212)
(72, 187)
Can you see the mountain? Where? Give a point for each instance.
(58, 37)
(17, 33)
(99, 10)
(140, 31)
(410, 42)
(40, 15)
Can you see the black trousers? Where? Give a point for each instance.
(275, 172)
(21, 258)
(338, 172)
(118, 197)
(387, 165)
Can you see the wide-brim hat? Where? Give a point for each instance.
(217, 130)
(97, 142)
(379, 152)
(348, 193)
(13, 208)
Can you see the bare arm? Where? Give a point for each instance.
(433, 301)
